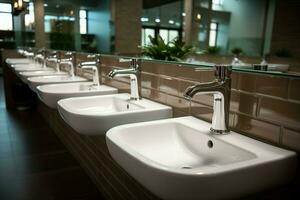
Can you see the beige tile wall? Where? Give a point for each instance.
(264, 107)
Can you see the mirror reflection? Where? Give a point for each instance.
(252, 35)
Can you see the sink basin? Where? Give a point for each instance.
(180, 159)
(42, 80)
(18, 61)
(24, 75)
(52, 93)
(96, 114)
(31, 67)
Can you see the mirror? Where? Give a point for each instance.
(245, 33)
(254, 35)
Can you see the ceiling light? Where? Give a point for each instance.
(198, 16)
(171, 22)
(144, 19)
(45, 5)
(183, 14)
(157, 20)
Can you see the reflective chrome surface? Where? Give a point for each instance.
(134, 72)
(220, 88)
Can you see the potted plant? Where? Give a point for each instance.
(174, 50)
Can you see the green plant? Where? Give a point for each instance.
(236, 51)
(283, 53)
(172, 51)
(213, 50)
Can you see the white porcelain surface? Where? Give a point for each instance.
(96, 114)
(24, 68)
(52, 93)
(180, 159)
(17, 61)
(42, 80)
(24, 75)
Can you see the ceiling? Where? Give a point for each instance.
(155, 3)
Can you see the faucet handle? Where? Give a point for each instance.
(121, 60)
(223, 71)
(95, 56)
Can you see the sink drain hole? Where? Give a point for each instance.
(186, 167)
(210, 144)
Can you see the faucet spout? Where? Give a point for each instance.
(95, 73)
(220, 89)
(134, 73)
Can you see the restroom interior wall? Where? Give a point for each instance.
(286, 27)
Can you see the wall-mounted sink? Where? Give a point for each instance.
(30, 67)
(42, 80)
(96, 114)
(52, 93)
(180, 159)
(18, 61)
(24, 75)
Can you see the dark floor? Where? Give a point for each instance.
(34, 164)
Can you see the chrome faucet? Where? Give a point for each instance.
(220, 88)
(93, 65)
(134, 72)
(55, 57)
(40, 55)
(68, 61)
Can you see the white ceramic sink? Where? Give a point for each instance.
(180, 159)
(24, 75)
(42, 80)
(52, 93)
(30, 67)
(96, 114)
(18, 61)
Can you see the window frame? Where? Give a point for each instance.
(216, 33)
(157, 28)
(86, 21)
(11, 14)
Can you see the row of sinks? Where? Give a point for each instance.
(174, 158)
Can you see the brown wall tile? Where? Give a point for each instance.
(256, 128)
(246, 82)
(282, 112)
(291, 139)
(179, 113)
(294, 89)
(271, 85)
(149, 80)
(243, 103)
(201, 111)
(154, 95)
(234, 80)
(178, 103)
(168, 85)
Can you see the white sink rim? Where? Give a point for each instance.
(51, 97)
(112, 135)
(95, 118)
(62, 104)
(230, 181)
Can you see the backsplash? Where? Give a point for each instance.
(262, 106)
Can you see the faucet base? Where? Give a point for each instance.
(221, 132)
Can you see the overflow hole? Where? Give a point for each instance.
(186, 167)
(210, 144)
